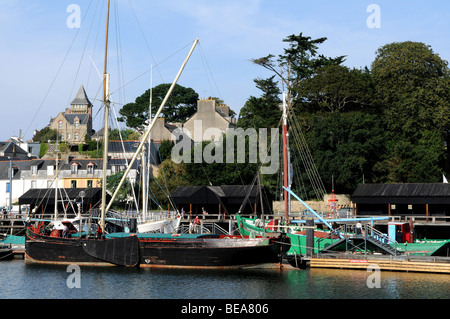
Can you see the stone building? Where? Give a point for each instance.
(73, 124)
(210, 121)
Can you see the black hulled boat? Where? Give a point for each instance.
(148, 250)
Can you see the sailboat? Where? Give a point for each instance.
(149, 250)
(42, 248)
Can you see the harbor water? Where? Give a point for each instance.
(28, 281)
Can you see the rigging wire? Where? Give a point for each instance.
(145, 39)
(306, 157)
(120, 71)
(150, 69)
(207, 68)
(124, 151)
(56, 75)
(83, 53)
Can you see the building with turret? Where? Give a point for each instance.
(76, 122)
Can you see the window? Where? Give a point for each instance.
(89, 184)
(76, 136)
(60, 124)
(77, 124)
(34, 170)
(90, 169)
(73, 184)
(33, 184)
(50, 170)
(74, 169)
(118, 168)
(68, 136)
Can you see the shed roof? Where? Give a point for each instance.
(36, 196)
(228, 195)
(412, 193)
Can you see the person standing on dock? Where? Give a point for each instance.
(358, 228)
(196, 223)
(65, 231)
(99, 231)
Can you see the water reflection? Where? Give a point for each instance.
(20, 281)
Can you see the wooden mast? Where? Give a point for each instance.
(147, 133)
(106, 104)
(285, 161)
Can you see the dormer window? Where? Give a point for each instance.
(74, 169)
(90, 168)
(34, 170)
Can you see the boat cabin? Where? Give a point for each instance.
(401, 232)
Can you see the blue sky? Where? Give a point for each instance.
(36, 85)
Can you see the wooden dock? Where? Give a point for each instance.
(438, 265)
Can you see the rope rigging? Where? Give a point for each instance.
(305, 154)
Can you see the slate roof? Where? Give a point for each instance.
(208, 195)
(84, 118)
(118, 147)
(9, 148)
(407, 193)
(81, 98)
(35, 196)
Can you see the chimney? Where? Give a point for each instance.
(69, 159)
(225, 109)
(206, 106)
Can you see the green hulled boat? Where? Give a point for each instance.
(324, 238)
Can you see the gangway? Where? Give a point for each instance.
(371, 239)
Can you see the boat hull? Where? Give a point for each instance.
(156, 250)
(90, 252)
(208, 253)
(6, 254)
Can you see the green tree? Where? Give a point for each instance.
(181, 104)
(413, 85)
(45, 135)
(171, 175)
(416, 162)
(337, 88)
(220, 171)
(125, 194)
(262, 112)
(165, 150)
(125, 134)
(300, 61)
(347, 146)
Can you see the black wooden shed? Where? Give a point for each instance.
(43, 200)
(430, 199)
(226, 199)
